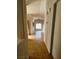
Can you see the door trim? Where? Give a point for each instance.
(53, 26)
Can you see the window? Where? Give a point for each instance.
(38, 26)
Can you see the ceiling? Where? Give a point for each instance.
(31, 1)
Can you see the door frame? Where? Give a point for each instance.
(53, 25)
(25, 27)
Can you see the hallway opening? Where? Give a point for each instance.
(36, 18)
(36, 14)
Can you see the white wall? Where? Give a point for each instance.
(57, 34)
(48, 23)
(42, 6)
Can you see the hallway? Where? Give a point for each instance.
(35, 29)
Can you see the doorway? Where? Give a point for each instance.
(38, 28)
